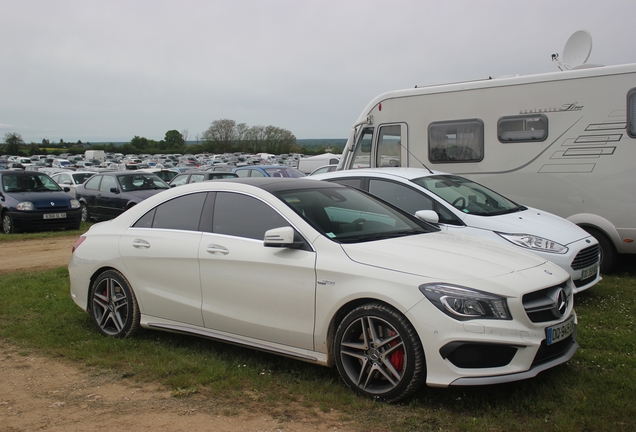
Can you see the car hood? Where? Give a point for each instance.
(530, 221)
(44, 200)
(442, 256)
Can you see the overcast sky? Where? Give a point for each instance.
(109, 70)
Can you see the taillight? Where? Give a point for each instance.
(78, 243)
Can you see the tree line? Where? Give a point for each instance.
(223, 136)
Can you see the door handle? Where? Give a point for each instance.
(217, 249)
(140, 244)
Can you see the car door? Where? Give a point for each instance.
(250, 290)
(108, 203)
(90, 192)
(160, 252)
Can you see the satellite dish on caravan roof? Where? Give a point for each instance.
(576, 51)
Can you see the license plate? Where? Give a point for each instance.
(559, 332)
(589, 272)
(54, 215)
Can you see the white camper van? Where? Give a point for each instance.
(563, 142)
(98, 155)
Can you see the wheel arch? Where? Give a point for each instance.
(92, 280)
(343, 311)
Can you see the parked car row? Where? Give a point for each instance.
(326, 274)
(398, 277)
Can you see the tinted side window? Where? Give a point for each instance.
(93, 183)
(244, 216)
(353, 182)
(243, 173)
(401, 196)
(181, 213)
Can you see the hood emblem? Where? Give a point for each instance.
(52, 204)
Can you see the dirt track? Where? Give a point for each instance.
(38, 393)
(40, 254)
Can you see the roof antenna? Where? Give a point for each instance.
(415, 157)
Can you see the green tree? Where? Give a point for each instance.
(174, 141)
(13, 141)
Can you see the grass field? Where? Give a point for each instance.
(593, 392)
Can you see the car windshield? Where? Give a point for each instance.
(350, 216)
(28, 183)
(81, 177)
(468, 196)
(141, 182)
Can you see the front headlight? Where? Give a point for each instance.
(25, 206)
(464, 303)
(75, 203)
(536, 243)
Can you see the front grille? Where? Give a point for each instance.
(546, 305)
(586, 258)
(53, 209)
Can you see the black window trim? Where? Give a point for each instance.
(631, 126)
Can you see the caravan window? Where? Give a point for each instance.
(522, 128)
(631, 113)
(456, 141)
(389, 146)
(362, 155)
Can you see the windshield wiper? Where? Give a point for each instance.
(380, 236)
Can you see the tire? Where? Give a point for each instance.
(609, 256)
(378, 353)
(8, 227)
(85, 216)
(113, 305)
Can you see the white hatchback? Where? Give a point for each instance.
(329, 275)
(462, 206)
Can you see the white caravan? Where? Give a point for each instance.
(564, 142)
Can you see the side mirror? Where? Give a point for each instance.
(66, 189)
(282, 237)
(429, 216)
(114, 190)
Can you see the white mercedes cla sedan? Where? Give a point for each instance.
(330, 275)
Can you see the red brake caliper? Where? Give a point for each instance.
(397, 358)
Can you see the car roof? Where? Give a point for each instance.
(275, 184)
(124, 173)
(265, 167)
(22, 173)
(406, 173)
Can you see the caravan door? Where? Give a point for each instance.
(383, 146)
